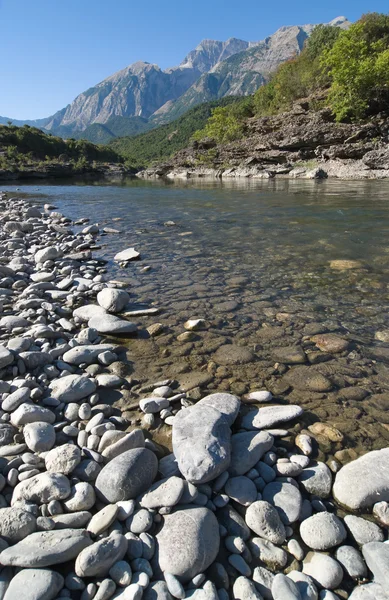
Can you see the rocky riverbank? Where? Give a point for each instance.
(64, 170)
(93, 507)
(301, 144)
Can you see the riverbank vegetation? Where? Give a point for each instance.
(28, 147)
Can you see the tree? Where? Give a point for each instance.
(358, 66)
(223, 126)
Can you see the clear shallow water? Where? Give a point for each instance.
(253, 258)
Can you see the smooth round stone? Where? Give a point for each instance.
(268, 416)
(201, 443)
(364, 481)
(126, 255)
(121, 573)
(304, 584)
(14, 400)
(268, 553)
(127, 476)
(46, 548)
(376, 555)
(188, 542)
(42, 488)
(317, 480)
(245, 588)
(241, 489)
(174, 586)
(140, 521)
(16, 524)
(153, 405)
(166, 492)
(110, 324)
(82, 497)
(283, 588)
(113, 300)
(63, 459)
(351, 561)
(39, 436)
(7, 432)
(323, 569)
(6, 357)
(286, 498)
(97, 559)
(370, 591)
(263, 518)
(103, 519)
(30, 413)
(157, 590)
(230, 354)
(259, 396)
(72, 388)
(88, 311)
(75, 520)
(247, 448)
(362, 530)
(34, 584)
(322, 531)
(381, 512)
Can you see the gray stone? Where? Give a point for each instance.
(129, 441)
(12, 321)
(72, 388)
(317, 480)
(283, 588)
(322, 531)
(268, 416)
(264, 520)
(157, 590)
(97, 559)
(351, 561)
(32, 360)
(14, 400)
(31, 413)
(113, 300)
(153, 405)
(7, 432)
(247, 448)
(364, 481)
(126, 255)
(75, 520)
(241, 489)
(39, 436)
(323, 569)
(84, 313)
(244, 589)
(286, 498)
(127, 476)
(188, 542)
(227, 404)
(86, 353)
(63, 459)
(263, 582)
(111, 324)
(6, 357)
(166, 492)
(42, 488)
(363, 531)
(201, 443)
(46, 548)
(376, 555)
(16, 524)
(233, 522)
(34, 584)
(268, 553)
(82, 497)
(231, 354)
(370, 591)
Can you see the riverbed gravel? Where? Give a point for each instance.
(116, 488)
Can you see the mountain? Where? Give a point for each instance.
(211, 71)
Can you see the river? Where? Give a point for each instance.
(254, 260)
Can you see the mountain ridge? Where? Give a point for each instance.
(213, 70)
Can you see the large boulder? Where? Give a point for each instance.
(112, 299)
(34, 584)
(363, 482)
(201, 443)
(127, 476)
(188, 542)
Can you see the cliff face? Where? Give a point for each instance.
(212, 70)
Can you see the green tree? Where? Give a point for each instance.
(358, 66)
(223, 126)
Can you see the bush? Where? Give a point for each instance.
(358, 65)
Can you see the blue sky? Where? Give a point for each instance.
(51, 50)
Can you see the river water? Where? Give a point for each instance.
(254, 260)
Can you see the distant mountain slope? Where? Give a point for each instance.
(213, 70)
(164, 141)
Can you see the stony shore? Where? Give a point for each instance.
(93, 508)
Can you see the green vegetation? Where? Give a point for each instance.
(23, 147)
(227, 123)
(161, 143)
(358, 66)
